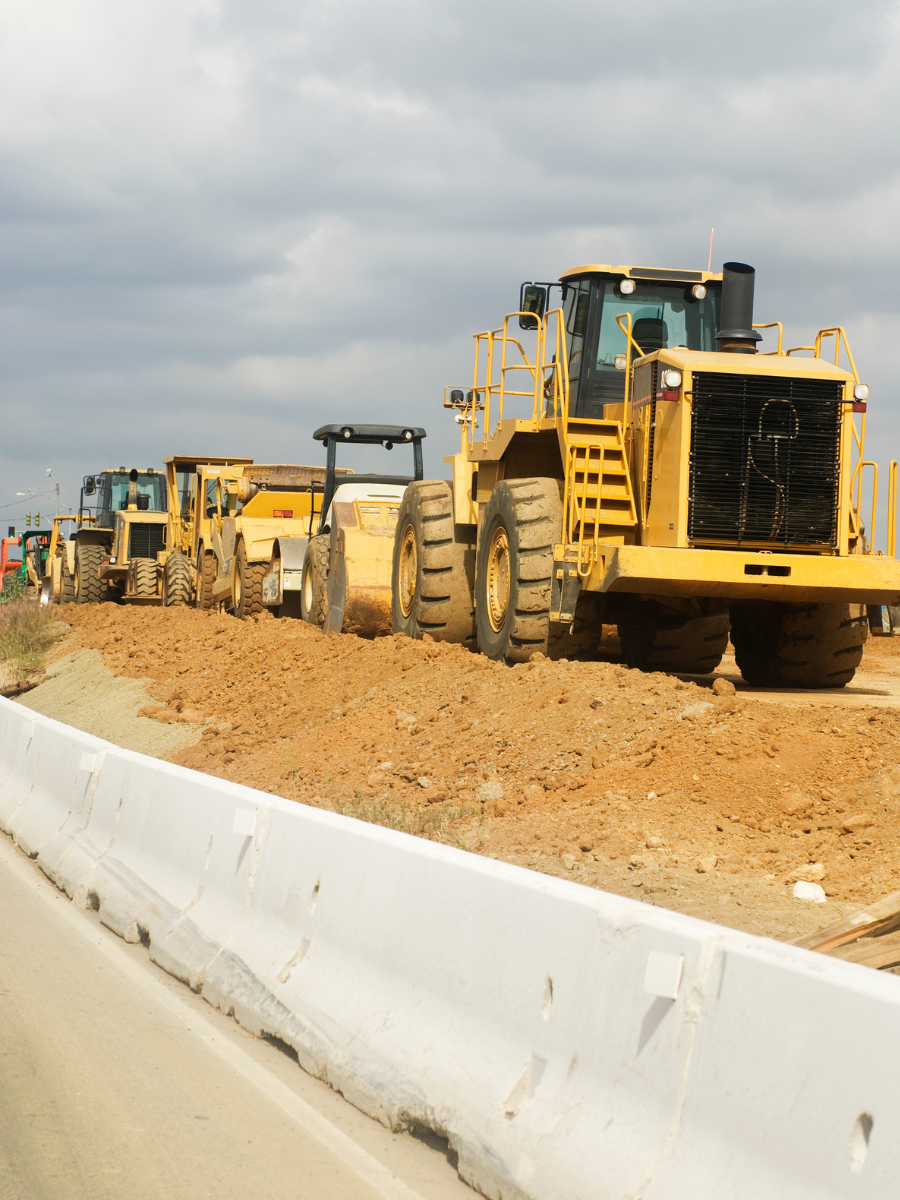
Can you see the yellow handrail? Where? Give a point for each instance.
(774, 325)
(629, 342)
(891, 547)
(492, 392)
(837, 332)
(860, 469)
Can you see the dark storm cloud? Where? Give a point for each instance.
(222, 223)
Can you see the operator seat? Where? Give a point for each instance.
(651, 333)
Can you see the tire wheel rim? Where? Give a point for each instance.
(237, 590)
(407, 570)
(498, 579)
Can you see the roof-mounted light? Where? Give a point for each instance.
(626, 286)
(698, 291)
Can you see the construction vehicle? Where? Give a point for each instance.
(188, 566)
(340, 577)
(119, 537)
(255, 506)
(10, 564)
(48, 561)
(629, 458)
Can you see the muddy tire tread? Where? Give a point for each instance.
(89, 559)
(801, 645)
(145, 577)
(66, 583)
(531, 511)
(251, 584)
(178, 579)
(443, 605)
(693, 649)
(316, 560)
(206, 577)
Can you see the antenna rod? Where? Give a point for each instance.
(709, 264)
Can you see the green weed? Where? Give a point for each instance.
(435, 823)
(27, 631)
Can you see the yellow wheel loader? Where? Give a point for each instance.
(119, 537)
(342, 574)
(629, 457)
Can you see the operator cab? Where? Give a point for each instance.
(111, 489)
(369, 486)
(668, 308)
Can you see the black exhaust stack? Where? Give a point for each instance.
(736, 333)
(132, 489)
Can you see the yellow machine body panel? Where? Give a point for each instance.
(363, 527)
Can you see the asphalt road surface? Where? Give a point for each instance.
(115, 1080)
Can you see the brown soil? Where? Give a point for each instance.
(687, 794)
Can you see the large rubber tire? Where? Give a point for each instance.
(145, 584)
(66, 583)
(206, 577)
(693, 649)
(248, 579)
(433, 569)
(314, 589)
(522, 524)
(89, 587)
(179, 584)
(798, 645)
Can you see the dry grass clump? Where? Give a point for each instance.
(27, 630)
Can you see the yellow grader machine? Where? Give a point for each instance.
(629, 457)
(189, 567)
(119, 537)
(257, 508)
(49, 562)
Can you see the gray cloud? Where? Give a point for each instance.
(222, 223)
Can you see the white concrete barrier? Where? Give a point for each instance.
(568, 1043)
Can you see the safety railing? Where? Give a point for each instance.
(494, 374)
(860, 471)
(578, 457)
(858, 432)
(629, 343)
(774, 325)
(891, 546)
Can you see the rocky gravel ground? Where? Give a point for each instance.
(683, 793)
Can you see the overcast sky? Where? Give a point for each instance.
(225, 222)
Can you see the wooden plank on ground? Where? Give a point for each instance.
(878, 952)
(882, 916)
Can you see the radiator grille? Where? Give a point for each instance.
(146, 541)
(764, 460)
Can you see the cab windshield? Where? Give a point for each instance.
(150, 486)
(664, 316)
(113, 494)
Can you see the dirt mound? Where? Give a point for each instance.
(589, 770)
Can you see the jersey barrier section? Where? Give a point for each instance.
(568, 1043)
